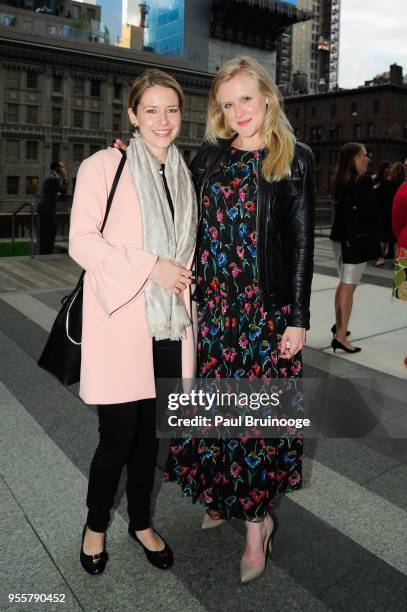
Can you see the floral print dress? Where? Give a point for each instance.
(238, 477)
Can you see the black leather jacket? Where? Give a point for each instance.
(285, 229)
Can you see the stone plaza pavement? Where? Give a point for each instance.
(342, 539)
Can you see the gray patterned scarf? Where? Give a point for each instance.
(167, 316)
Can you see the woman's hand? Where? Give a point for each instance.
(119, 144)
(171, 275)
(292, 342)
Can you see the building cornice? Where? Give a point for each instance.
(100, 58)
(368, 90)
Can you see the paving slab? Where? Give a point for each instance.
(374, 312)
(25, 563)
(57, 515)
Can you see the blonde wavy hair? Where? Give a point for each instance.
(276, 132)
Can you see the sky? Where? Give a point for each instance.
(373, 35)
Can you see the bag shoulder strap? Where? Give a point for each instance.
(108, 207)
(113, 188)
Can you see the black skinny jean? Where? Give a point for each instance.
(128, 437)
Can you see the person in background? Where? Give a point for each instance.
(399, 219)
(354, 215)
(384, 200)
(54, 185)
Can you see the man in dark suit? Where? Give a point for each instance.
(53, 186)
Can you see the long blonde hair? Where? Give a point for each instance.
(276, 132)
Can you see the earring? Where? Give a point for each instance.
(136, 128)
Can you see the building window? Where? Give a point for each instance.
(200, 130)
(13, 185)
(93, 149)
(12, 113)
(185, 127)
(317, 181)
(32, 79)
(316, 133)
(31, 184)
(354, 108)
(117, 91)
(333, 111)
(313, 111)
(31, 150)
(95, 88)
(116, 122)
(335, 132)
(370, 130)
(57, 83)
(56, 117)
(78, 152)
(13, 150)
(376, 106)
(357, 131)
(77, 119)
(333, 156)
(56, 151)
(12, 78)
(79, 87)
(94, 121)
(32, 114)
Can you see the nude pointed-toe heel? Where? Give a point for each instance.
(251, 572)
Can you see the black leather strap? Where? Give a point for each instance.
(113, 189)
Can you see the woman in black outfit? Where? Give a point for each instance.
(254, 270)
(354, 224)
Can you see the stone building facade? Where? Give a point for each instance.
(60, 99)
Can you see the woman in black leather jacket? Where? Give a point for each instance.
(253, 271)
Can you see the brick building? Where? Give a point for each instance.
(375, 115)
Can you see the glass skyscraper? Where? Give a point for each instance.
(165, 21)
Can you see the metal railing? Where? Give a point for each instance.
(31, 205)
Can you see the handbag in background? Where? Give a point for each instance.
(61, 356)
(400, 274)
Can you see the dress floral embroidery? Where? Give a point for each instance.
(237, 339)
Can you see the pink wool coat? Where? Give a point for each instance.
(117, 356)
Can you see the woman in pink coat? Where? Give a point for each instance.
(136, 306)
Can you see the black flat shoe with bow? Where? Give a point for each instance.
(93, 564)
(163, 559)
